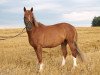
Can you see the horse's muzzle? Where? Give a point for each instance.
(28, 26)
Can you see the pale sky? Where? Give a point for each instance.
(76, 12)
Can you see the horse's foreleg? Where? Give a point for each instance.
(39, 56)
(74, 53)
(64, 51)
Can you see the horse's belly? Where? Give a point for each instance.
(52, 42)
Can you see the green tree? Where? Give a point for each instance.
(96, 21)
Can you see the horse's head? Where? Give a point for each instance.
(29, 18)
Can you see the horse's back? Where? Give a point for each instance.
(65, 27)
(61, 25)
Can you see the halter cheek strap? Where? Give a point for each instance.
(28, 24)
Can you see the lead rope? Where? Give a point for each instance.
(9, 37)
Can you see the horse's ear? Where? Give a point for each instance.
(24, 9)
(31, 9)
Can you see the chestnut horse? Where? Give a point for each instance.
(41, 36)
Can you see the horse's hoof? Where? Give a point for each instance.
(73, 68)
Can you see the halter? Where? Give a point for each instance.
(28, 24)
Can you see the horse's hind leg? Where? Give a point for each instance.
(64, 51)
(38, 51)
(74, 52)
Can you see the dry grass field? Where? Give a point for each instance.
(17, 57)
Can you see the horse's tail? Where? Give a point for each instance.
(80, 53)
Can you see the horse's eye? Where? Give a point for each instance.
(32, 17)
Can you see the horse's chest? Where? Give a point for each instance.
(32, 43)
(35, 40)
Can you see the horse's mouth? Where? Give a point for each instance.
(28, 27)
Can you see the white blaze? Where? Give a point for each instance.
(29, 18)
(63, 61)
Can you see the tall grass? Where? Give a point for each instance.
(17, 57)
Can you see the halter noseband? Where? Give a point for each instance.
(28, 24)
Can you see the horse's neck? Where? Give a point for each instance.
(37, 24)
(40, 24)
(31, 32)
